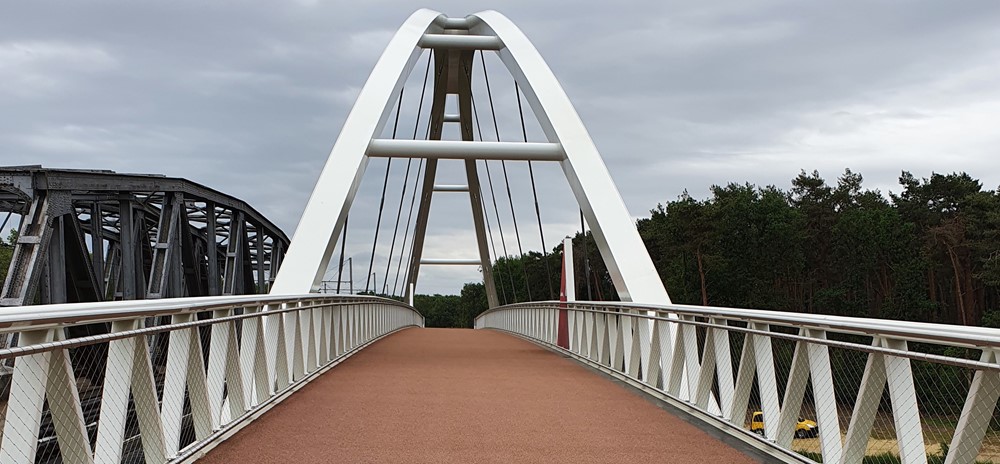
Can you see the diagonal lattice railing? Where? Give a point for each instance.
(172, 377)
(826, 388)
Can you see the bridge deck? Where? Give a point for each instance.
(444, 395)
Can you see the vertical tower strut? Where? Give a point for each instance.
(452, 76)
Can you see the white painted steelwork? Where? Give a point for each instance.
(693, 350)
(232, 358)
(568, 272)
(323, 219)
(450, 188)
(568, 143)
(461, 42)
(450, 262)
(454, 149)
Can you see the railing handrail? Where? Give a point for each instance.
(20, 318)
(966, 336)
(252, 352)
(708, 361)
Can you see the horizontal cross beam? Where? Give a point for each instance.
(450, 149)
(461, 42)
(451, 188)
(450, 262)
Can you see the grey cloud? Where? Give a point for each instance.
(249, 97)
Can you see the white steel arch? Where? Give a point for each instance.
(628, 262)
(323, 218)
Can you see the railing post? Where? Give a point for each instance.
(767, 384)
(328, 339)
(174, 381)
(632, 344)
(28, 381)
(976, 413)
(567, 292)
(723, 366)
(128, 369)
(336, 337)
(298, 358)
(865, 406)
(282, 363)
(795, 389)
(217, 354)
(702, 394)
(903, 396)
(827, 417)
(252, 355)
(604, 342)
(310, 342)
(66, 412)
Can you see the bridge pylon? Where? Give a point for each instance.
(453, 42)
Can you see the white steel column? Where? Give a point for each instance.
(568, 269)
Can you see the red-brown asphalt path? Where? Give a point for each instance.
(461, 396)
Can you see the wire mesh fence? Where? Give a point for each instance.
(145, 388)
(824, 388)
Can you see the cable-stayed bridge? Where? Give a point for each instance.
(202, 370)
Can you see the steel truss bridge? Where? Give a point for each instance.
(102, 236)
(202, 375)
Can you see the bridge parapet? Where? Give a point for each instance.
(172, 377)
(799, 386)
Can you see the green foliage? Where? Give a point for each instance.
(890, 458)
(6, 253)
(956, 224)
(531, 277)
(930, 253)
(453, 311)
(818, 457)
(593, 282)
(525, 278)
(439, 310)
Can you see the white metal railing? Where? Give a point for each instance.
(870, 390)
(171, 377)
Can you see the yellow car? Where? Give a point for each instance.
(805, 428)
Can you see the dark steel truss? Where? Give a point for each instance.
(99, 235)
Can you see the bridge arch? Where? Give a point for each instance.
(569, 144)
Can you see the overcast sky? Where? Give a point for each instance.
(248, 98)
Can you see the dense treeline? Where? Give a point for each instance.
(452, 310)
(930, 253)
(533, 277)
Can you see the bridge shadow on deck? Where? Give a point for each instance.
(450, 395)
